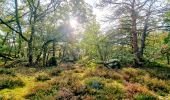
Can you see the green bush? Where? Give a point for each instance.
(95, 83)
(7, 72)
(10, 83)
(113, 92)
(132, 75)
(42, 78)
(159, 86)
(144, 97)
(153, 64)
(42, 93)
(56, 72)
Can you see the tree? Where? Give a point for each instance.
(141, 14)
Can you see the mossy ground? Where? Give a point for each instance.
(75, 82)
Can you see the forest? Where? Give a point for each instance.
(85, 49)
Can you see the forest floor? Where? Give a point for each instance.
(76, 82)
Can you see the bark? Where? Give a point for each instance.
(54, 48)
(42, 50)
(30, 52)
(32, 22)
(145, 29)
(19, 25)
(5, 38)
(143, 39)
(168, 59)
(100, 52)
(44, 56)
(134, 34)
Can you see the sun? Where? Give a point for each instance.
(73, 23)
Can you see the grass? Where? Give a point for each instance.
(88, 83)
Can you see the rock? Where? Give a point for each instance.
(113, 63)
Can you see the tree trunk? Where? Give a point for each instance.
(4, 40)
(134, 35)
(143, 39)
(54, 48)
(44, 55)
(18, 25)
(30, 53)
(168, 60)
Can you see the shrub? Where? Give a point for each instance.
(156, 85)
(105, 73)
(153, 64)
(130, 73)
(6, 72)
(42, 78)
(53, 61)
(144, 97)
(42, 92)
(10, 83)
(113, 92)
(64, 94)
(133, 89)
(95, 83)
(56, 72)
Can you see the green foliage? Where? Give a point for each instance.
(144, 97)
(154, 45)
(113, 92)
(3, 48)
(104, 73)
(90, 41)
(95, 83)
(42, 92)
(123, 54)
(53, 61)
(10, 83)
(157, 85)
(55, 72)
(7, 72)
(133, 75)
(42, 78)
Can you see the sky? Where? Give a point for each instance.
(100, 14)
